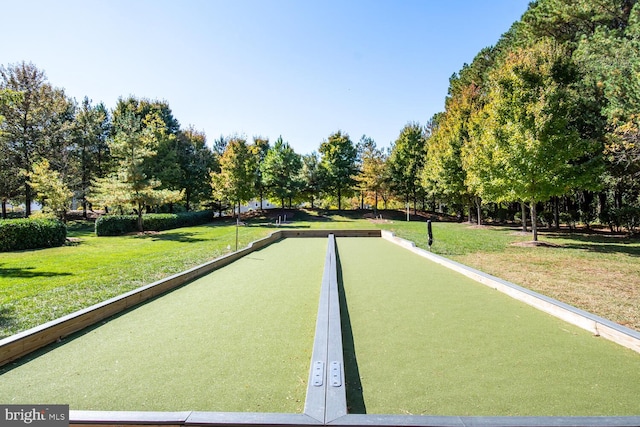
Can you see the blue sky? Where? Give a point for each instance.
(297, 68)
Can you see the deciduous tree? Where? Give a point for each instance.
(310, 176)
(338, 164)
(259, 149)
(406, 162)
(372, 164)
(235, 180)
(530, 146)
(281, 172)
(50, 189)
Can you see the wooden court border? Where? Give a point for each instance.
(324, 405)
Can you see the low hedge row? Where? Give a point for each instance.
(116, 225)
(27, 233)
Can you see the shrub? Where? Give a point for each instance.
(28, 233)
(547, 218)
(606, 218)
(115, 225)
(628, 217)
(569, 219)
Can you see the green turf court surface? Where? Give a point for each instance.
(238, 339)
(425, 340)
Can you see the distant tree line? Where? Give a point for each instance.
(137, 158)
(543, 127)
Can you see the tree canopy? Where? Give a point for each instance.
(546, 117)
(281, 172)
(338, 164)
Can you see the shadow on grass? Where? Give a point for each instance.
(291, 225)
(601, 244)
(28, 273)
(182, 237)
(355, 398)
(7, 319)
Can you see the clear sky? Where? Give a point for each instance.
(297, 68)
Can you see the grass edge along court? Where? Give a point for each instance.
(285, 419)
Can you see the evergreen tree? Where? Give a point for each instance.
(196, 161)
(89, 148)
(131, 146)
(37, 126)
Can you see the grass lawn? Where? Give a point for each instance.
(42, 285)
(596, 273)
(238, 339)
(427, 340)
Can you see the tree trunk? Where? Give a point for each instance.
(375, 205)
(339, 199)
(523, 207)
(187, 200)
(4, 208)
(534, 221)
(261, 197)
(602, 203)
(312, 200)
(27, 202)
(362, 200)
(140, 225)
(479, 209)
(289, 202)
(618, 196)
(556, 212)
(282, 203)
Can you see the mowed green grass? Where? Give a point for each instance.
(238, 339)
(37, 286)
(430, 341)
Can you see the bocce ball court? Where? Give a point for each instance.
(330, 328)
